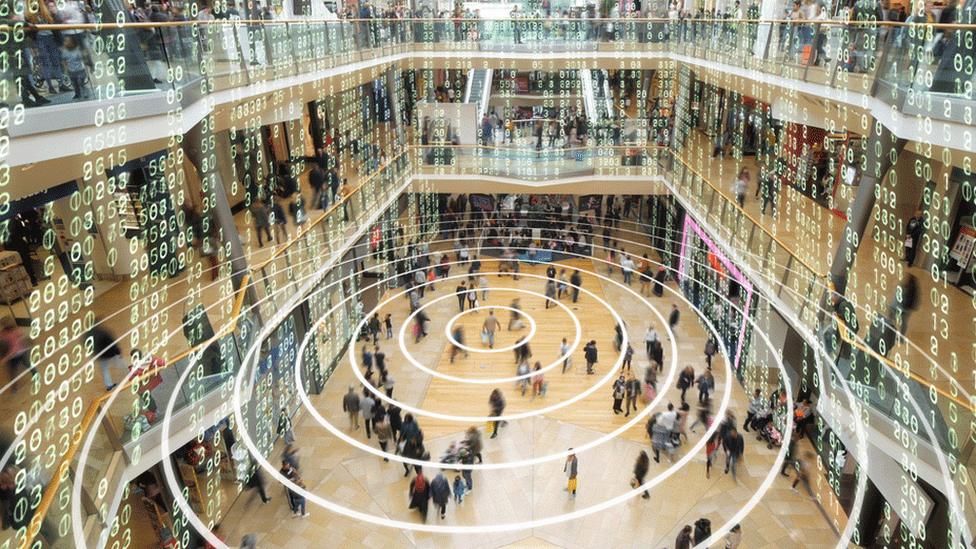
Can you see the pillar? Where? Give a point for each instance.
(201, 152)
(882, 151)
(394, 94)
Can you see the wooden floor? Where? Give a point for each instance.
(553, 324)
(363, 482)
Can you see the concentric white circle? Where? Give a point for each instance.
(354, 364)
(577, 338)
(637, 490)
(475, 310)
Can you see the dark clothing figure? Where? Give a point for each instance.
(420, 495)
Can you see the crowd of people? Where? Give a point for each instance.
(62, 61)
(666, 430)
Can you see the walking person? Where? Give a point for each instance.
(522, 370)
(790, 458)
(650, 336)
(488, 329)
(564, 352)
(734, 447)
(711, 347)
(483, 284)
(514, 322)
(296, 501)
(704, 415)
(706, 382)
(627, 267)
(734, 538)
(632, 389)
(456, 349)
(618, 391)
(440, 493)
(683, 541)
(563, 287)
(646, 275)
(659, 279)
(366, 404)
(472, 439)
(410, 449)
(459, 488)
(571, 468)
(388, 322)
(106, 352)
(660, 438)
(741, 186)
(628, 357)
(913, 233)
(550, 293)
(420, 495)
(590, 351)
(538, 381)
(496, 402)
(711, 448)
(367, 358)
(379, 357)
(576, 280)
(462, 292)
(262, 222)
(685, 380)
(396, 423)
(258, 481)
(640, 472)
(383, 433)
(803, 466)
(374, 329)
(673, 319)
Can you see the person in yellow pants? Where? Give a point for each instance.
(571, 469)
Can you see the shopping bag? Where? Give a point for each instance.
(484, 338)
(806, 54)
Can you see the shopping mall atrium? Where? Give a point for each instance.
(480, 274)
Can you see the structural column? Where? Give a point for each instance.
(882, 151)
(204, 156)
(393, 95)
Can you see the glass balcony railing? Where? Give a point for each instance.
(536, 165)
(914, 66)
(799, 285)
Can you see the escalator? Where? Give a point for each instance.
(478, 89)
(597, 99)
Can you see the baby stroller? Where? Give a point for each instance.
(759, 422)
(771, 435)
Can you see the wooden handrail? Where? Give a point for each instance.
(845, 335)
(756, 222)
(64, 464)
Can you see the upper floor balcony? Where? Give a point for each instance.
(772, 259)
(914, 76)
